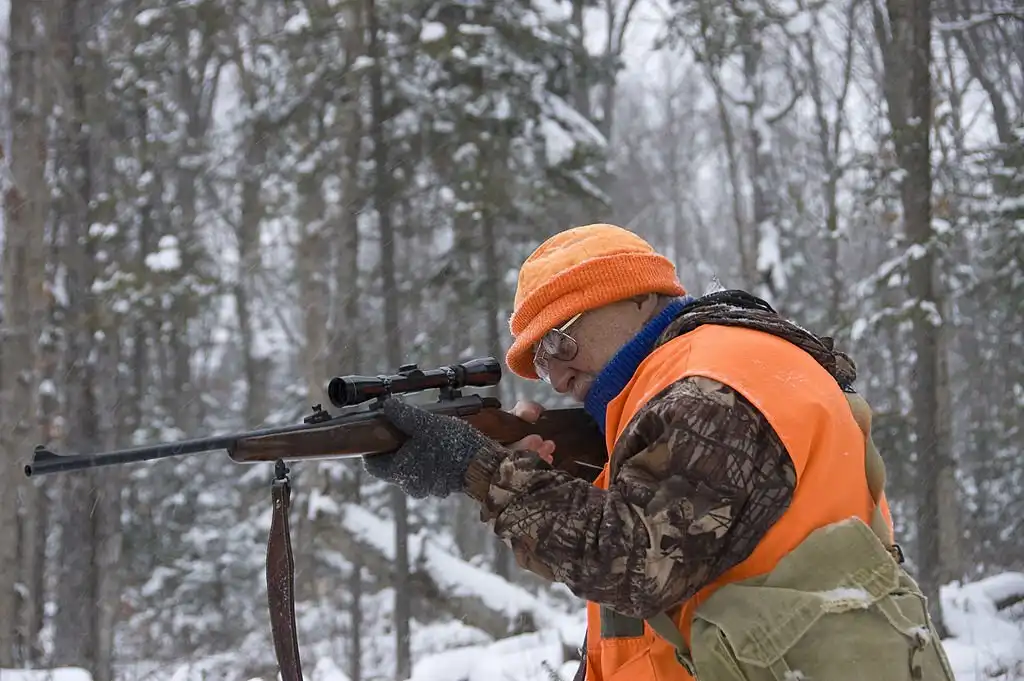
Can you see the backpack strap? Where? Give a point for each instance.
(664, 627)
(874, 471)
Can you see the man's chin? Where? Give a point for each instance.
(580, 396)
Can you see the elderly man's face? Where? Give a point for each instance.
(573, 357)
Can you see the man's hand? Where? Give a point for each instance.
(433, 461)
(530, 412)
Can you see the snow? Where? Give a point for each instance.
(361, 63)
(457, 577)
(845, 596)
(327, 670)
(432, 31)
(462, 579)
(983, 641)
(148, 16)
(564, 129)
(55, 674)
(99, 230)
(800, 23)
(297, 22)
(475, 29)
(573, 120)
(859, 329)
(558, 143)
(321, 503)
(167, 257)
(527, 657)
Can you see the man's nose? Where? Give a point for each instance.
(560, 375)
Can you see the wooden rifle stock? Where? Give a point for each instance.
(579, 444)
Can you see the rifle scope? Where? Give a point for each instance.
(345, 391)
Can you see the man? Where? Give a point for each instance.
(738, 530)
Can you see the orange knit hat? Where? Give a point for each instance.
(581, 269)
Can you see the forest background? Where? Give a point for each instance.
(211, 206)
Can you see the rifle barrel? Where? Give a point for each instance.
(46, 461)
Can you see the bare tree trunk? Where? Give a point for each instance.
(25, 203)
(313, 270)
(106, 537)
(355, 670)
(829, 132)
(248, 237)
(747, 263)
(686, 242)
(88, 576)
(615, 34)
(504, 561)
(580, 80)
(903, 32)
(948, 521)
(107, 542)
(196, 88)
(382, 199)
(470, 537)
(313, 266)
(344, 342)
(74, 625)
(37, 526)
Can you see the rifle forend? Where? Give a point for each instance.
(579, 445)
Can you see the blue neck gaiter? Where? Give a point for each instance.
(618, 372)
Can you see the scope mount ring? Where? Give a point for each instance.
(449, 393)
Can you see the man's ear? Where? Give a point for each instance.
(642, 300)
(647, 302)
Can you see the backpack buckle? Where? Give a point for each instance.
(687, 663)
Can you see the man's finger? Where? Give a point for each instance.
(528, 411)
(535, 443)
(532, 442)
(546, 450)
(406, 417)
(379, 465)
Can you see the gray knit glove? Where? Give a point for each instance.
(433, 461)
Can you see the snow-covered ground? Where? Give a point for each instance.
(986, 644)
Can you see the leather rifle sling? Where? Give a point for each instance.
(281, 580)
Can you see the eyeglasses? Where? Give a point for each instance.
(555, 344)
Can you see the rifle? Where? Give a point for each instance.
(358, 430)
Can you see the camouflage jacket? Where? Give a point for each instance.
(698, 467)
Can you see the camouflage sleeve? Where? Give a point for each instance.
(697, 479)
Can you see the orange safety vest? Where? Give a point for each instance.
(809, 412)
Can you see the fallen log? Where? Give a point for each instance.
(444, 584)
